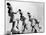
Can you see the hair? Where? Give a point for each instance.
(8, 4)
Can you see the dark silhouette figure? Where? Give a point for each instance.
(20, 14)
(11, 14)
(22, 18)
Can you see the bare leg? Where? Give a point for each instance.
(13, 26)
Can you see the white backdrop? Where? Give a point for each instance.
(2, 16)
